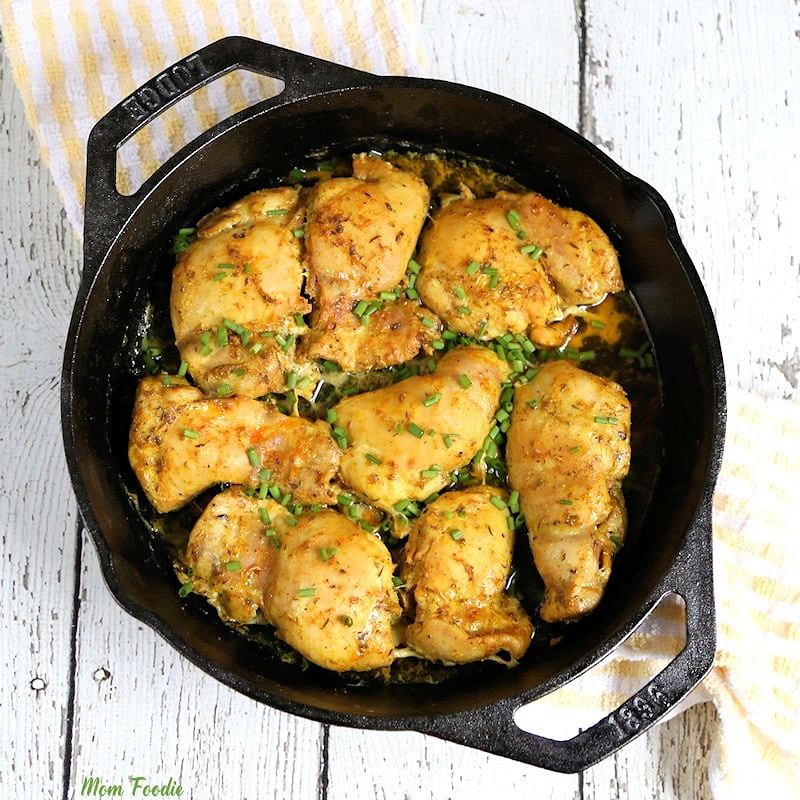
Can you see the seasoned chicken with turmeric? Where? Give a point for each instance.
(568, 450)
(236, 303)
(456, 565)
(232, 551)
(333, 599)
(515, 262)
(182, 442)
(406, 439)
(360, 234)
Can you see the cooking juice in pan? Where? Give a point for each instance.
(610, 340)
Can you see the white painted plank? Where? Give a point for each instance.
(38, 532)
(142, 710)
(703, 103)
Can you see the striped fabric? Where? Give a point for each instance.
(75, 59)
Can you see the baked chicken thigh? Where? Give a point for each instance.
(514, 262)
(456, 564)
(235, 301)
(406, 439)
(182, 442)
(360, 235)
(568, 450)
(333, 599)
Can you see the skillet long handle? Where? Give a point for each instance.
(494, 730)
(302, 75)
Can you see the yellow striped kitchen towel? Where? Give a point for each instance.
(755, 681)
(74, 59)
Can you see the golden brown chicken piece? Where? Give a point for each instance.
(456, 563)
(568, 450)
(360, 235)
(406, 439)
(514, 263)
(237, 282)
(181, 443)
(333, 599)
(232, 551)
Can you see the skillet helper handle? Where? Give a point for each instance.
(106, 208)
(494, 730)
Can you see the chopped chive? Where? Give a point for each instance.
(331, 366)
(309, 591)
(187, 588)
(167, 380)
(264, 514)
(565, 502)
(257, 348)
(265, 474)
(232, 566)
(224, 389)
(346, 621)
(253, 457)
(288, 343)
(291, 521)
(510, 523)
(534, 403)
(513, 219)
(298, 318)
(430, 473)
(518, 365)
(315, 509)
(428, 322)
(248, 269)
(205, 337)
(432, 399)
(207, 350)
(606, 420)
(586, 355)
(412, 294)
(326, 554)
(532, 250)
(498, 502)
(344, 500)
(626, 352)
(596, 323)
(413, 267)
(230, 324)
(299, 233)
(463, 310)
(360, 307)
(574, 449)
(464, 382)
(494, 281)
(397, 581)
(267, 334)
(331, 415)
(182, 369)
(277, 212)
(341, 437)
(291, 380)
(473, 267)
(188, 433)
(455, 534)
(513, 501)
(483, 328)
(373, 459)
(303, 382)
(448, 441)
(296, 174)
(239, 372)
(275, 492)
(616, 540)
(218, 276)
(415, 430)
(270, 533)
(460, 293)
(226, 266)
(366, 526)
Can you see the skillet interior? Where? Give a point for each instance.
(256, 149)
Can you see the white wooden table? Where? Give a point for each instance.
(699, 98)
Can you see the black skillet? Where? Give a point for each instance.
(326, 108)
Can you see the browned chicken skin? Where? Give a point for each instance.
(359, 235)
(418, 445)
(568, 450)
(236, 293)
(514, 262)
(182, 442)
(456, 564)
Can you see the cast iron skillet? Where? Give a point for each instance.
(327, 106)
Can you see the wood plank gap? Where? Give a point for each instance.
(323, 771)
(73, 658)
(580, 12)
